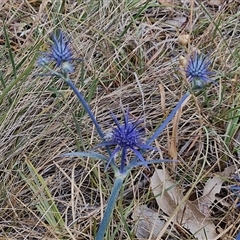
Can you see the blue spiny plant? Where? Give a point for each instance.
(197, 71)
(127, 135)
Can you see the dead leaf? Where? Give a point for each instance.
(176, 22)
(185, 2)
(147, 222)
(167, 2)
(211, 188)
(227, 172)
(168, 197)
(215, 2)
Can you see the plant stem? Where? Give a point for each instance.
(85, 105)
(168, 119)
(109, 210)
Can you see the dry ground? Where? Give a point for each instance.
(131, 53)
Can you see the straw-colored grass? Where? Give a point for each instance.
(131, 57)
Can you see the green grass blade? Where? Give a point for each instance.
(44, 200)
(10, 51)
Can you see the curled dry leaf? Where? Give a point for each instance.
(147, 222)
(168, 197)
(211, 188)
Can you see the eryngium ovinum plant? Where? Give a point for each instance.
(127, 135)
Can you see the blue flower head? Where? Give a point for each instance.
(60, 53)
(127, 136)
(197, 71)
(60, 49)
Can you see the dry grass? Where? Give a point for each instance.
(131, 57)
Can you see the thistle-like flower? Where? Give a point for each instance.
(127, 136)
(197, 70)
(60, 49)
(60, 53)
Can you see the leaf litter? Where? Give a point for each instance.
(148, 222)
(168, 196)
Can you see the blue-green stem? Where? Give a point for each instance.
(85, 105)
(162, 127)
(168, 119)
(110, 206)
(64, 76)
(88, 110)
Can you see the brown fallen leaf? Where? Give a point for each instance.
(167, 2)
(185, 2)
(176, 22)
(148, 223)
(211, 188)
(215, 2)
(168, 197)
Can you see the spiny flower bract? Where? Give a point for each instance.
(42, 61)
(197, 69)
(60, 49)
(126, 136)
